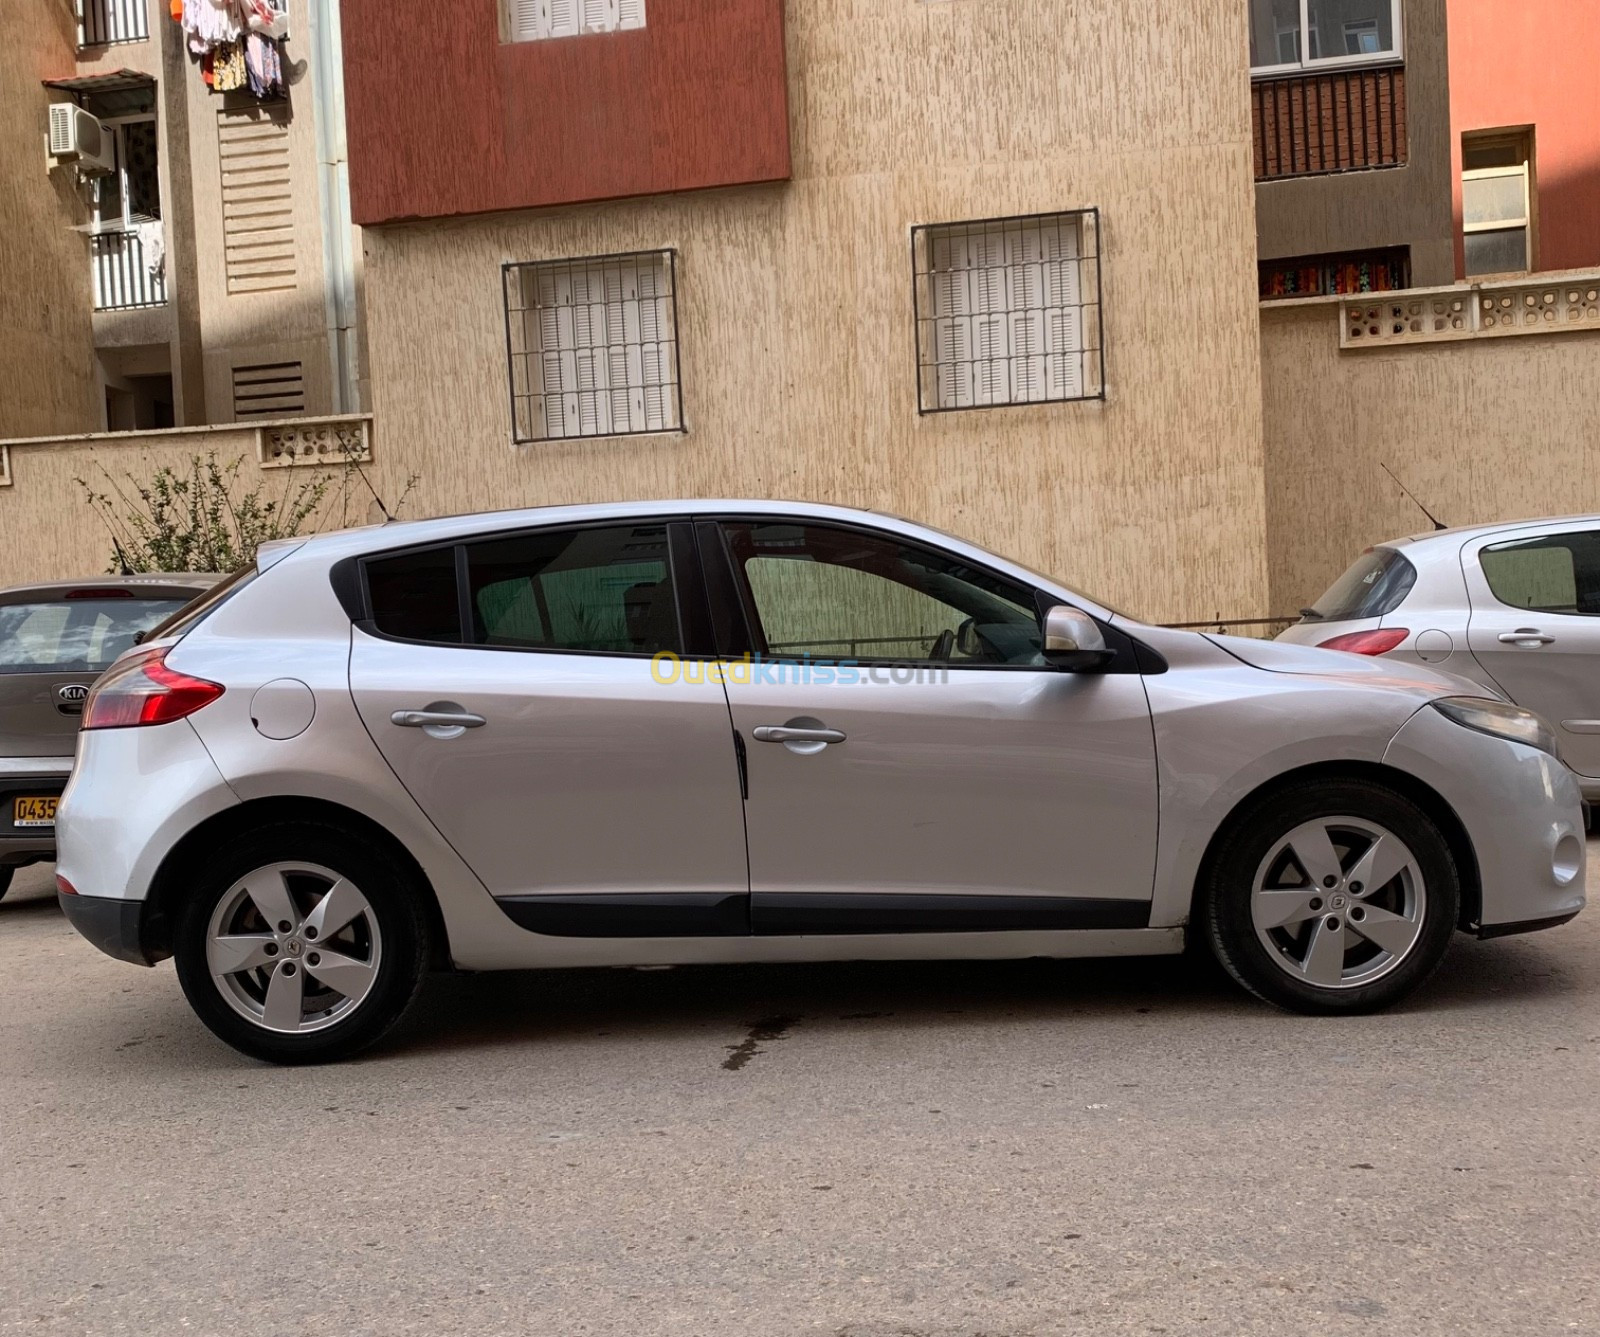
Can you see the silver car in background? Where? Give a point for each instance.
(1515, 607)
(672, 733)
(55, 639)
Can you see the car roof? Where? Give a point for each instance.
(157, 585)
(1459, 534)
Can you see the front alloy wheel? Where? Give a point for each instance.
(1330, 896)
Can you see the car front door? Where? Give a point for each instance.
(509, 683)
(913, 764)
(1535, 628)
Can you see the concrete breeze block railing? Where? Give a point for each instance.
(1553, 304)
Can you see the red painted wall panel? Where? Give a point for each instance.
(444, 118)
(1534, 62)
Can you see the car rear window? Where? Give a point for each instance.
(1376, 583)
(74, 635)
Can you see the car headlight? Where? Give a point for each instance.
(1499, 719)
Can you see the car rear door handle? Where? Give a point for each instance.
(1525, 636)
(437, 719)
(783, 733)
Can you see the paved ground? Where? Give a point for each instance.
(862, 1151)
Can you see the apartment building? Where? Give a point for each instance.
(1525, 116)
(1350, 121)
(984, 263)
(186, 214)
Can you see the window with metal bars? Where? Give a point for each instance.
(593, 346)
(533, 20)
(1008, 311)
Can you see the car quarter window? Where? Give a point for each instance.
(1554, 573)
(604, 590)
(834, 593)
(414, 596)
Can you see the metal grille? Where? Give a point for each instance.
(108, 22)
(1008, 311)
(268, 390)
(593, 346)
(1319, 124)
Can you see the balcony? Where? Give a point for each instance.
(123, 276)
(1343, 120)
(110, 22)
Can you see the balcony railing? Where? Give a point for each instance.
(107, 22)
(122, 276)
(1339, 121)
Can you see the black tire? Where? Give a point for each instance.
(1224, 907)
(395, 898)
(6, 875)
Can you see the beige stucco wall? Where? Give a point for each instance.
(1480, 430)
(795, 301)
(48, 383)
(1352, 211)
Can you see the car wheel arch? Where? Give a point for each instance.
(168, 886)
(1402, 782)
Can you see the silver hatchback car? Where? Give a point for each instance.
(1515, 607)
(671, 733)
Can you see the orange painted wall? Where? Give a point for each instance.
(1535, 62)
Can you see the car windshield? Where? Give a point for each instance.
(1376, 583)
(74, 635)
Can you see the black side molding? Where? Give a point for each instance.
(689, 914)
(846, 912)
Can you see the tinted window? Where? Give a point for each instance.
(605, 591)
(1376, 583)
(413, 596)
(1559, 573)
(74, 635)
(841, 594)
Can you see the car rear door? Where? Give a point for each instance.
(588, 797)
(1535, 627)
(914, 766)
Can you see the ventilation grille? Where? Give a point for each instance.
(268, 390)
(257, 203)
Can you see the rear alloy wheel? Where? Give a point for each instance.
(304, 957)
(1336, 897)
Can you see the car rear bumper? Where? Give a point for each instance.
(116, 927)
(29, 777)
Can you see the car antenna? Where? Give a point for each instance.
(1437, 523)
(122, 558)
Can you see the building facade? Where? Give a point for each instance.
(1525, 116)
(974, 262)
(195, 218)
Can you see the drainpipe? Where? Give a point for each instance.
(342, 315)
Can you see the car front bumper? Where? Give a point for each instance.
(1523, 815)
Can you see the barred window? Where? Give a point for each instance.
(593, 345)
(1008, 311)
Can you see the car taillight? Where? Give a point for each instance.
(1377, 642)
(143, 690)
(64, 887)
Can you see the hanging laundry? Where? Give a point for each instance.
(210, 23)
(228, 68)
(263, 66)
(153, 241)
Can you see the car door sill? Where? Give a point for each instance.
(791, 913)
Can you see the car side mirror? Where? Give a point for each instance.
(1073, 641)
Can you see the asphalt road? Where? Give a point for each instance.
(857, 1151)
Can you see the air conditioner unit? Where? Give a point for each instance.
(78, 138)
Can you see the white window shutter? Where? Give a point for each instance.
(630, 14)
(597, 15)
(564, 18)
(525, 21)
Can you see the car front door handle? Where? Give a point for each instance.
(783, 733)
(1525, 636)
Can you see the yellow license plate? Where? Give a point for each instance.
(34, 812)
